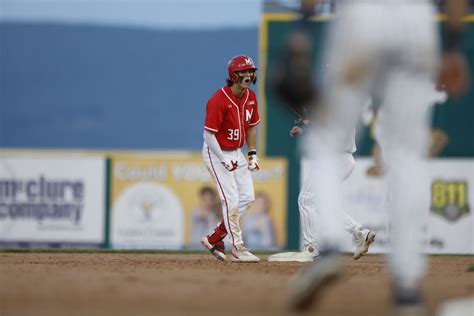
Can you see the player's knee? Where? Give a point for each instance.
(247, 201)
(233, 206)
(231, 203)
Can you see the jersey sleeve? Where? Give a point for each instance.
(214, 116)
(255, 119)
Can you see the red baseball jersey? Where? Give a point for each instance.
(230, 117)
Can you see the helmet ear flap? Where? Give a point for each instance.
(235, 77)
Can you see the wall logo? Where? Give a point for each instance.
(147, 214)
(449, 199)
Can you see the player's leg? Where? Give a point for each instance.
(246, 197)
(214, 242)
(308, 228)
(403, 137)
(243, 178)
(308, 220)
(363, 236)
(227, 189)
(347, 166)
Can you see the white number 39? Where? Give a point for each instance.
(233, 134)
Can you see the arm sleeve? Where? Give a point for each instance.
(211, 141)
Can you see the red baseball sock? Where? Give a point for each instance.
(219, 234)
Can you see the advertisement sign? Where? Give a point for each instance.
(170, 201)
(448, 201)
(451, 225)
(52, 200)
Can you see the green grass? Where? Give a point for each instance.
(471, 268)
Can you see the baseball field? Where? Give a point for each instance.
(157, 283)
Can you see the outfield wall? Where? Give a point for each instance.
(128, 200)
(137, 200)
(447, 202)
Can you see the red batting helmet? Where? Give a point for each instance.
(240, 63)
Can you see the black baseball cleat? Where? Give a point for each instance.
(408, 303)
(217, 249)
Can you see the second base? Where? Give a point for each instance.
(291, 257)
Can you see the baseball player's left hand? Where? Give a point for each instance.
(253, 161)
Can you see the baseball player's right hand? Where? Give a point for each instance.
(296, 131)
(230, 165)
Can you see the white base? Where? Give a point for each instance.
(291, 257)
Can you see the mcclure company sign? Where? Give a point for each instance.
(41, 199)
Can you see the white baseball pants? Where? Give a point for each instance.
(235, 189)
(308, 205)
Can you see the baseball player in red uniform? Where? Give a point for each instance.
(231, 120)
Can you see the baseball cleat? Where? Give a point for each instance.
(242, 254)
(408, 303)
(306, 287)
(364, 238)
(217, 249)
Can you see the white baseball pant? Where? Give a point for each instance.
(235, 189)
(308, 209)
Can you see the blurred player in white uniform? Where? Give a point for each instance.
(307, 207)
(392, 46)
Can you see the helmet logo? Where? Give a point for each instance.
(248, 61)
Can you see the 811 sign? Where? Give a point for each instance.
(449, 199)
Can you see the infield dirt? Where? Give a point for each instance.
(197, 284)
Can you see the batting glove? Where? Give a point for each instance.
(230, 165)
(253, 161)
